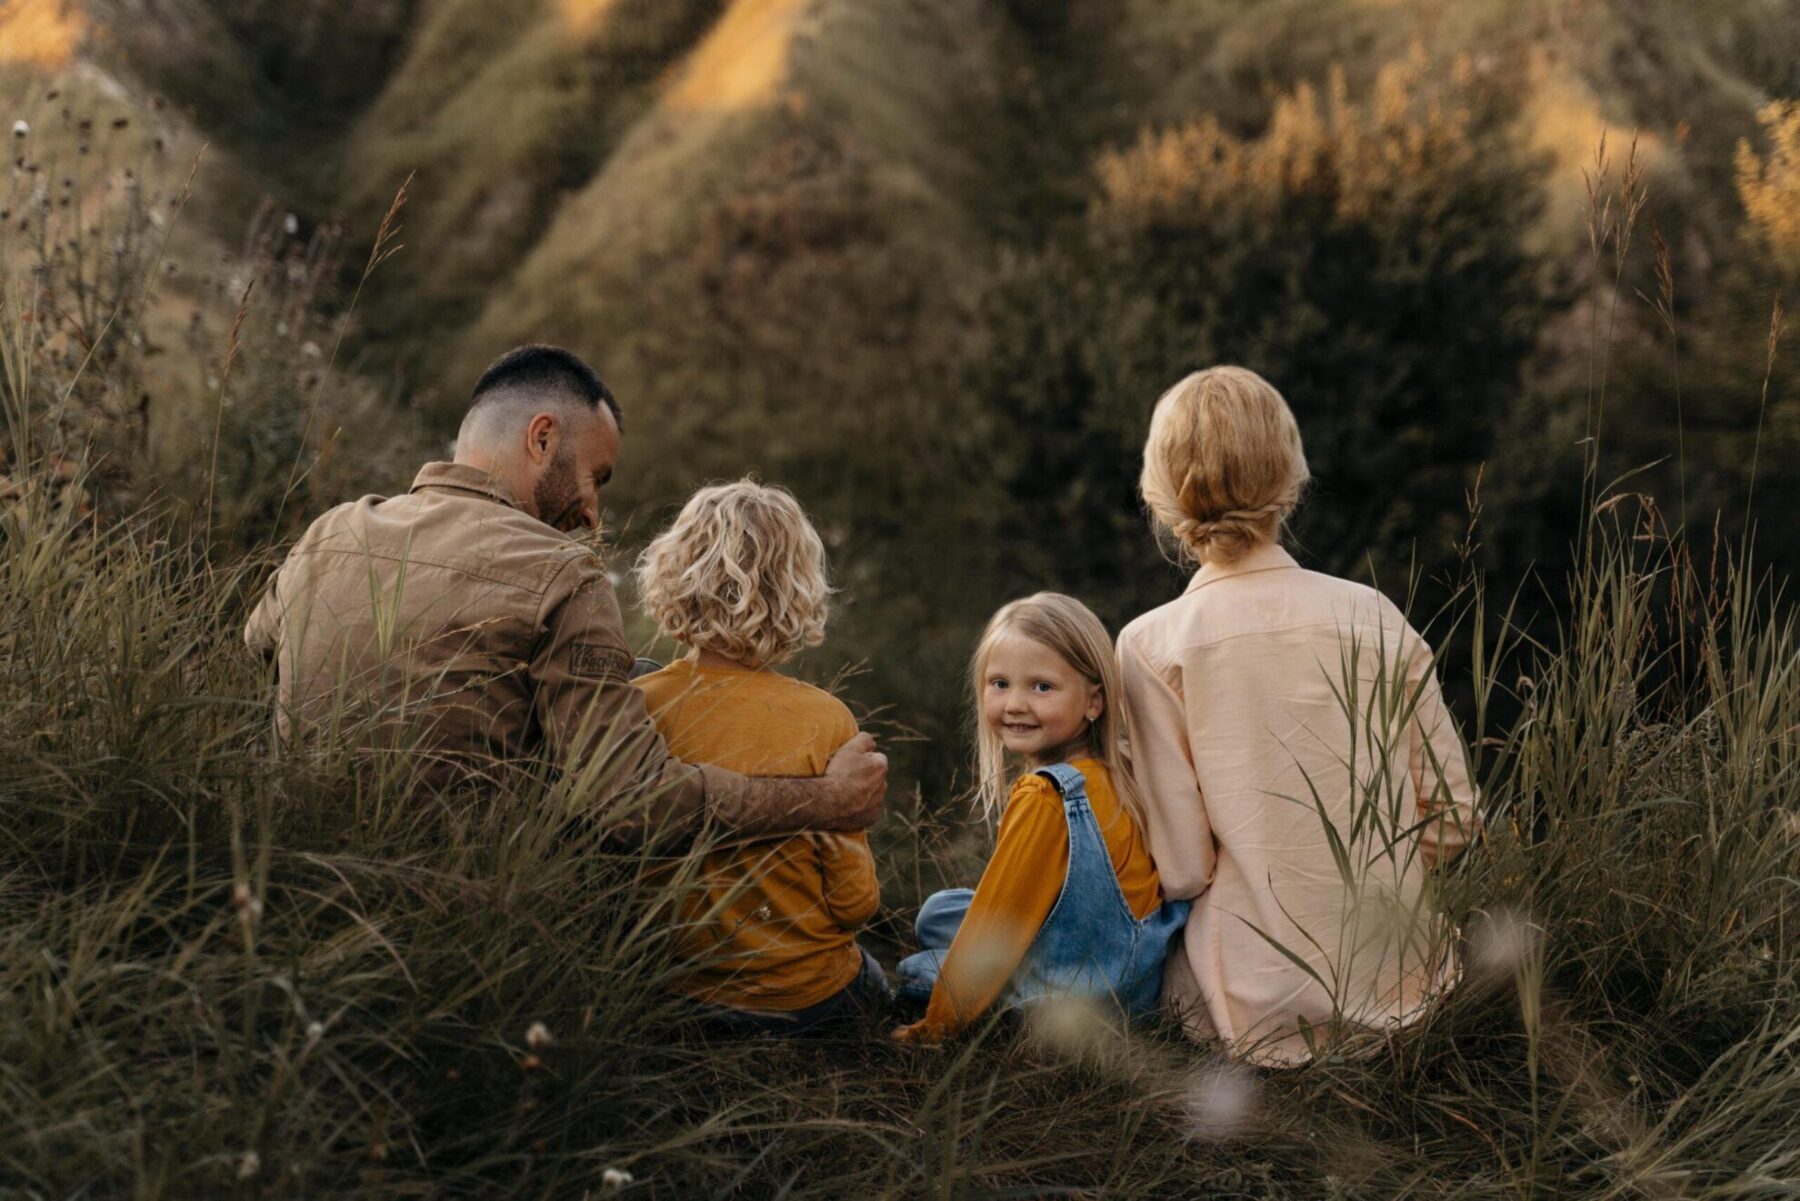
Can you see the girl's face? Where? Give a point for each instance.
(1033, 699)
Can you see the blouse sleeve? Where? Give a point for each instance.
(1439, 765)
(1017, 891)
(1180, 832)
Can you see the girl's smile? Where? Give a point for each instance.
(1033, 699)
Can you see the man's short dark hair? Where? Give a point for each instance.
(551, 369)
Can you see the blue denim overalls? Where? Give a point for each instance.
(1091, 945)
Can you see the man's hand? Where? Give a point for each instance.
(846, 798)
(858, 773)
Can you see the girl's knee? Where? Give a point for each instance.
(940, 915)
(915, 976)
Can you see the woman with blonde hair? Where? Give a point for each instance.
(1299, 771)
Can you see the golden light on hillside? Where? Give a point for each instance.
(1770, 187)
(584, 16)
(1563, 120)
(743, 61)
(41, 33)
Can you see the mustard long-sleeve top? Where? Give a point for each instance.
(770, 925)
(1019, 888)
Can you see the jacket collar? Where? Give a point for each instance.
(464, 478)
(1269, 557)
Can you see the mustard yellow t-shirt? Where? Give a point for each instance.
(770, 923)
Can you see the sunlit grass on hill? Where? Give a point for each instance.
(41, 33)
(502, 112)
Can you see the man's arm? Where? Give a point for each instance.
(597, 725)
(262, 632)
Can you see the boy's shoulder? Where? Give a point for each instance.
(824, 706)
(766, 688)
(665, 683)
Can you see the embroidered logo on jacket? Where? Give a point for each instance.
(598, 662)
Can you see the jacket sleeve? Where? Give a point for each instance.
(1162, 760)
(596, 726)
(1439, 764)
(1018, 890)
(262, 632)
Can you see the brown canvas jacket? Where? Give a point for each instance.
(474, 634)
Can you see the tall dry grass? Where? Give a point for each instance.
(232, 972)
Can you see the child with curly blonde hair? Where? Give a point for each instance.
(739, 578)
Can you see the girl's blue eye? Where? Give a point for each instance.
(1042, 686)
(997, 683)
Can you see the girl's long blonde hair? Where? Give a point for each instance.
(1069, 628)
(1223, 465)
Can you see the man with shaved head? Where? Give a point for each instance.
(462, 623)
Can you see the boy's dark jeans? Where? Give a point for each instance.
(867, 994)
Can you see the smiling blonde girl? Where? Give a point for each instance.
(1070, 902)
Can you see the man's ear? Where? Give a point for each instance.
(541, 434)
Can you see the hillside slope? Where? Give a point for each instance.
(874, 250)
(789, 221)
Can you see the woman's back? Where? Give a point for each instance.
(1287, 728)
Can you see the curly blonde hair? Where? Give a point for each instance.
(740, 573)
(1223, 465)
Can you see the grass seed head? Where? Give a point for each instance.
(1220, 1101)
(1501, 942)
(1070, 1025)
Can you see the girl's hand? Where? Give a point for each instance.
(917, 1033)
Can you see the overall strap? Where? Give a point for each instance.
(1068, 780)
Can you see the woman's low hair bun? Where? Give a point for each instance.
(1224, 538)
(1223, 465)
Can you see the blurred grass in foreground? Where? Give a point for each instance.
(230, 973)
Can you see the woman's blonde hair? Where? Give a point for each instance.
(1068, 627)
(741, 573)
(1223, 465)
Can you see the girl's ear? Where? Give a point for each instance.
(1096, 703)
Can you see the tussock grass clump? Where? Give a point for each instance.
(231, 971)
(234, 972)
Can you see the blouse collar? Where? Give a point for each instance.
(1267, 557)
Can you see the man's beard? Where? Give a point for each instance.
(557, 496)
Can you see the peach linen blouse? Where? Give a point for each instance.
(1301, 775)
